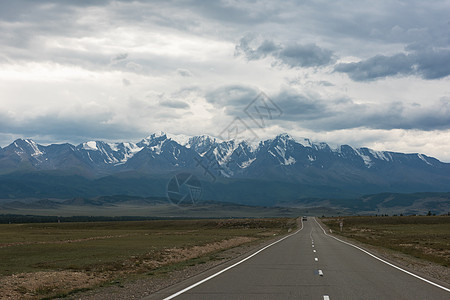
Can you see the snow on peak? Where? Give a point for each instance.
(367, 161)
(35, 148)
(282, 157)
(181, 139)
(150, 139)
(203, 138)
(157, 148)
(224, 152)
(304, 142)
(201, 143)
(129, 150)
(381, 155)
(289, 161)
(340, 148)
(422, 157)
(283, 139)
(284, 136)
(91, 145)
(153, 136)
(158, 134)
(244, 145)
(131, 147)
(247, 163)
(114, 146)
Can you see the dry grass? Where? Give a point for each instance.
(424, 237)
(47, 260)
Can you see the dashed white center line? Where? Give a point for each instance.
(313, 246)
(316, 259)
(320, 273)
(314, 251)
(326, 297)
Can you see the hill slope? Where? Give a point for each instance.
(277, 169)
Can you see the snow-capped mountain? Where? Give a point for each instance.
(282, 158)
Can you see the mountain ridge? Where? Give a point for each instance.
(282, 161)
(120, 153)
(381, 204)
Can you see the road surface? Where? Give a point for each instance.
(308, 264)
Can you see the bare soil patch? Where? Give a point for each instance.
(35, 285)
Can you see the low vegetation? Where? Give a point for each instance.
(42, 260)
(425, 237)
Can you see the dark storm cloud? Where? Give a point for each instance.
(429, 64)
(232, 99)
(71, 128)
(379, 66)
(343, 113)
(261, 51)
(232, 96)
(433, 64)
(292, 55)
(385, 22)
(301, 107)
(315, 113)
(385, 38)
(235, 12)
(309, 55)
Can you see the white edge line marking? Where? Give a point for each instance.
(388, 263)
(230, 267)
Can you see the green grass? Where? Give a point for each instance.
(424, 237)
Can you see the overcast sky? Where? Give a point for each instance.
(364, 73)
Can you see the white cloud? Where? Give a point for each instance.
(116, 70)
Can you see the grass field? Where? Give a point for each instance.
(425, 237)
(200, 210)
(36, 256)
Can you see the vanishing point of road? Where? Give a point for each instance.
(308, 264)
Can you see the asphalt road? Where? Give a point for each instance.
(293, 268)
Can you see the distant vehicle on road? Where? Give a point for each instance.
(304, 218)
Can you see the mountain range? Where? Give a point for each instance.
(235, 171)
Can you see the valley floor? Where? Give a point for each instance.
(56, 259)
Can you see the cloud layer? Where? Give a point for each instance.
(293, 55)
(365, 73)
(428, 64)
